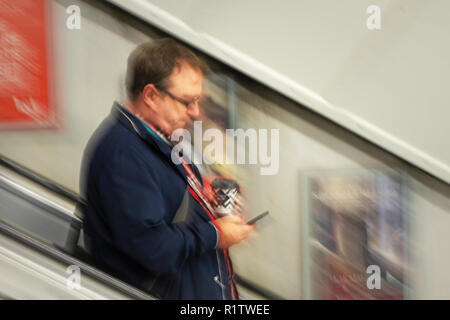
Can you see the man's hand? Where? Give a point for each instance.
(233, 230)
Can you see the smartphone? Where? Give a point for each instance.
(258, 217)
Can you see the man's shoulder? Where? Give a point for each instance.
(112, 139)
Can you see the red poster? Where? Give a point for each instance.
(24, 75)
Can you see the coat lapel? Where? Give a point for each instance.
(131, 122)
(134, 124)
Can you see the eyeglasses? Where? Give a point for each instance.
(186, 103)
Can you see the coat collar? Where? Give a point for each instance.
(137, 126)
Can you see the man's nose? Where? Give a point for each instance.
(194, 111)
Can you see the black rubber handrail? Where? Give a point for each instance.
(39, 179)
(256, 288)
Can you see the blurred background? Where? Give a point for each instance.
(363, 124)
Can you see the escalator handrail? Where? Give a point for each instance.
(50, 251)
(73, 196)
(39, 179)
(40, 201)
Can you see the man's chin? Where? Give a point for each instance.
(183, 125)
(188, 125)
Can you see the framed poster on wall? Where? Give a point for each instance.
(25, 99)
(355, 226)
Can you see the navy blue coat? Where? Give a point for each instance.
(132, 191)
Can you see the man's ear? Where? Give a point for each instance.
(150, 95)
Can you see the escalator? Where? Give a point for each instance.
(40, 251)
(42, 248)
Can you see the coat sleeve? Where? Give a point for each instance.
(134, 209)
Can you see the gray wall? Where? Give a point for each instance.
(89, 65)
(387, 85)
(309, 142)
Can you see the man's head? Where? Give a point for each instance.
(164, 81)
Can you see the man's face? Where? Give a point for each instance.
(185, 83)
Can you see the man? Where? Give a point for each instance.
(147, 220)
